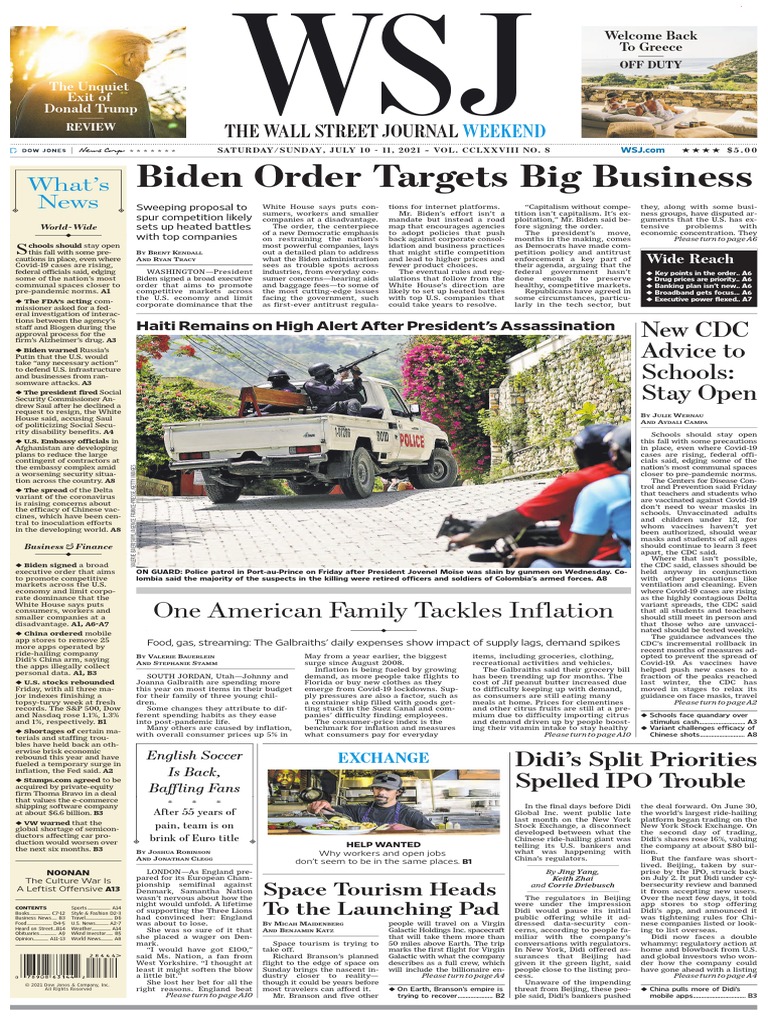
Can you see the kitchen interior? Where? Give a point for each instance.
(461, 799)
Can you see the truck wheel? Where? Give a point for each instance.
(220, 494)
(442, 474)
(359, 484)
(310, 487)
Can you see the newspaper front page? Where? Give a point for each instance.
(358, 661)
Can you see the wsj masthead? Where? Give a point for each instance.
(357, 76)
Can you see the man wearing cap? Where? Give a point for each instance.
(558, 499)
(601, 507)
(385, 809)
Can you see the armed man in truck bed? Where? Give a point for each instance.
(329, 393)
(279, 381)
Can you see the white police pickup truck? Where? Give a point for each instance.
(312, 451)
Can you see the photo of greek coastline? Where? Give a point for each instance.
(672, 83)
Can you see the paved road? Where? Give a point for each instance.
(389, 530)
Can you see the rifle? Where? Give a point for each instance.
(354, 363)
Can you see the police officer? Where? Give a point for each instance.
(280, 381)
(385, 809)
(329, 394)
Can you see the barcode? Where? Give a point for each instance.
(100, 967)
(51, 965)
(66, 965)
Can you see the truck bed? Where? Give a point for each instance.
(268, 434)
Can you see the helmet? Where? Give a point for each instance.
(387, 780)
(279, 375)
(322, 372)
(590, 446)
(620, 441)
